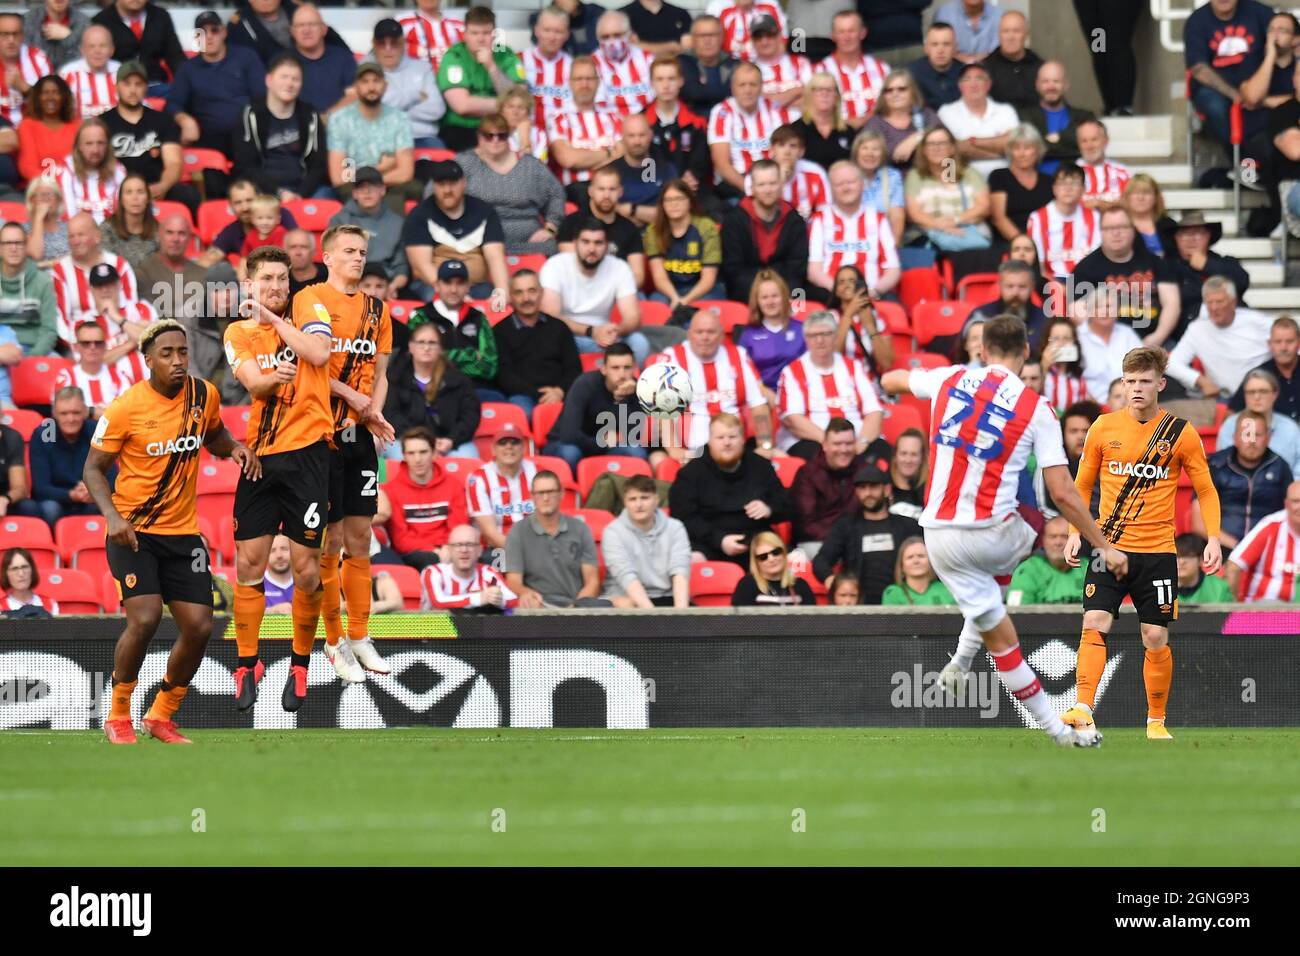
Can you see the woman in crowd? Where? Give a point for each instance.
(92, 175)
(771, 581)
(684, 249)
(915, 582)
(1146, 207)
(970, 347)
(424, 388)
(882, 185)
(844, 591)
(18, 577)
(131, 231)
(909, 470)
(901, 117)
(526, 139)
(1019, 188)
(1062, 364)
(47, 227)
(48, 129)
(527, 197)
(1025, 250)
(773, 337)
(862, 333)
(826, 136)
(947, 199)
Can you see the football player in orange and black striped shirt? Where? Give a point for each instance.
(284, 364)
(154, 431)
(1138, 452)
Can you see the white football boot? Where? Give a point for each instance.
(345, 662)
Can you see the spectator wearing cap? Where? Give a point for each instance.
(936, 72)
(865, 541)
(647, 554)
(58, 459)
(28, 307)
(412, 84)
(282, 138)
(425, 503)
(210, 92)
(975, 23)
(143, 31)
(981, 126)
(822, 490)
(123, 320)
(537, 359)
(467, 335)
(497, 493)
(471, 75)
(1055, 119)
(55, 27)
(1187, 245)
(369, 133)
(452, 225)
(328, 69)
(598, 412)
(366, 208)
(266, 29)
(147, 142)
(425, 388)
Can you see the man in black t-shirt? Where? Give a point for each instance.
(865, 541)
(1144, 286)
(659, 27)
(146, 142)
(13, 471)
(452, 225)
(604, 193)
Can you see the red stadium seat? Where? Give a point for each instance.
(730, 313)
(911, 360)
(462, 468)
(33, 379)
(667, 469)
(493, 416)
(402, 309)
(236, 419)
(713, 583)
(13, 211)
(196, 159)
(595, 519)
(917, 286)
(214, 215)
(94, 561)
(592, 360)
(932, 319)
(433, 155)
(494, 315)
(805, 571)
(109, 599)
(74, 590)
(922, 408)
(589, 469)
(218, 477)
(652, 313)
(163, 208)
(313, 214)
(544, 418)
(227, 573)
(978, 288)
(787, 468)
(533, 261)
(408, 582)
(33, 534)
(898, 419)
(557, 465)
(22, 420)
(79, 533)
(1183, 508)
(209, 521)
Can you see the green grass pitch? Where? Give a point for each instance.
(433, 797)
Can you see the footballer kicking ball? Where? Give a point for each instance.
(664, 390)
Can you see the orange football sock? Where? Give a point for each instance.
(1090, 665)
(306, 615)
(165, 704)
(121, 703)
(331, 604)
(356, 589)
(1157, 675)
(250, 606)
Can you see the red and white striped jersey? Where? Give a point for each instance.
(548, 82)
(842, 391)
(736, 20)
(72, 291)
(807, 190)
(1063, 240)
(987, 423)
(488, 492)
(1270, 554)
(32, 64)
(93, 91)
(859, 84)
(1104, 181)
(539, 145)
(1061, 389)
(588, 129)
(428, 39)
(789, 71)
(624, 87)
(441, 588)
(748, 134)
(726, 383)
(93, 194)
(102, 387)
(863, 239)
(859, 332)
(132, 364)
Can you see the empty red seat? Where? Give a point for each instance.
(787, 468)
(714, 582)
(17, 531)
(932, 319)
(544, 417)
(402, 309)
(589, 469)
(33, 379)
(595, 519)
(22, 420)
(79, 532)
(462, 468)
(313, 214)
(917, 286)
(195, 159)
(730, 313)
(978, 288)
(898, 419)
(214, 215)
(236, 419)
(74, 590)
(218, 477)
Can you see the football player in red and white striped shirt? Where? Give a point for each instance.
(429, 34)
(624, 67)
(1269, 554)
(740, 129)
(100, 382)
(859, 77)
(846, 234)
(804, 184)
(584, 137)
(93, 77)
(737, 16)
(462, 583)
(20, 67)
(1064, 230)
(820, 385)
(784, 73)
(986, 425)
(497, 494)
(1104, 180)
(723, 378)
(546, 66)
(71, 276)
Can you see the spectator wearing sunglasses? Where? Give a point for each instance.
(771, 581)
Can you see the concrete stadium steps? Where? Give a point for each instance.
(1282, 298)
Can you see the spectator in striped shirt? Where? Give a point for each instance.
(583, 137)
(846, 233)
(784, 73)
(805, 185)
(91, 173)
(463, 584)
(740, 130)
(1063, 230)
(624, 67)
(1062, 365)
(738, 18)
(859, 77)
(93, 77)
(429, 34)
(497, 494)
(20, 67)
(1265, 564)
(54, 27)
(100, 381)
(1104, 180)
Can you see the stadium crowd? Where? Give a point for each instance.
(638, 186)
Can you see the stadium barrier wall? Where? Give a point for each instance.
(855, 668)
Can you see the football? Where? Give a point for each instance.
(664, 390)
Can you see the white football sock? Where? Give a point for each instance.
(1019, 678)
(969, 643)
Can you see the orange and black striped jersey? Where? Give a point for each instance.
(298, 413)
(1139, 464)
(157, 441)
(362, 331)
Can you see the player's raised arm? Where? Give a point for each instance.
(308, 334)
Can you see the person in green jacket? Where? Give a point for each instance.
(1194, 585)
(915, 582)
(27, 303)
(1045, 578)
(471, 75)
(467, 336)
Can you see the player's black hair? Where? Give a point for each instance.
(1189, 545)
